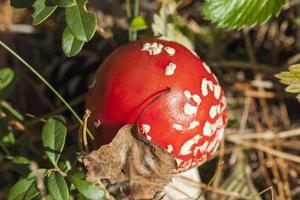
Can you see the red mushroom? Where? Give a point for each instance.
(188, 115)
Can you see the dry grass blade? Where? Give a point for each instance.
(260, 147)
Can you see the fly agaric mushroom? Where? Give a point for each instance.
(172, 96)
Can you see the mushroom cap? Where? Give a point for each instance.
(132, 86)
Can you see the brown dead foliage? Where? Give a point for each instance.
(145, 166)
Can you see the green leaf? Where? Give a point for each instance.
(20, 164)
(12, 111)
(64, 3)
(293, 88)
(81, 23)
(6, 76)
(70, 44)
(9, 138)
(54, 136)
(19, 160)
(295, 68)
(78, 174)
(49, 197)
(292, 79)
(32, 193)
(139, 23)
(23, 189)
(162, 27)
(89, 190)
(21, 3)
(57, 186)
(240, 13)
(65, 166)
(42, 10)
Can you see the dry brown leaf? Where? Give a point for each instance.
(145, 166)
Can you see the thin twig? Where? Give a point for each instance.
(213, 189)
(84, 130)
(57, 169)
(266, 135)
(39, 180)
(266, 149)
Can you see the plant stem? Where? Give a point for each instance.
(132, 33)
(84, 139)
(136, 8)
(128, 9)
(13, 111)
(46, 83)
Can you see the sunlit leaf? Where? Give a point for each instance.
(292, 79)
(139, 23)
(293, 88)
(240, 13)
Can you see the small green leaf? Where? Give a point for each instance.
(81, 23)
(65, 166)
(54, 136)
(78, 174)
(240, 13)
(9, 138)
(163, 27)
(23, 189)
(295, 68)
(57, 186)
(89, 190)
(70, 44)
(6, 76)
(49, 197)
(293, 88)
(20, 164)
(19, 160)
(42, 10)
(292, 79)
(32, 193)
(64, 3)
(21, 3)
(139, 23)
